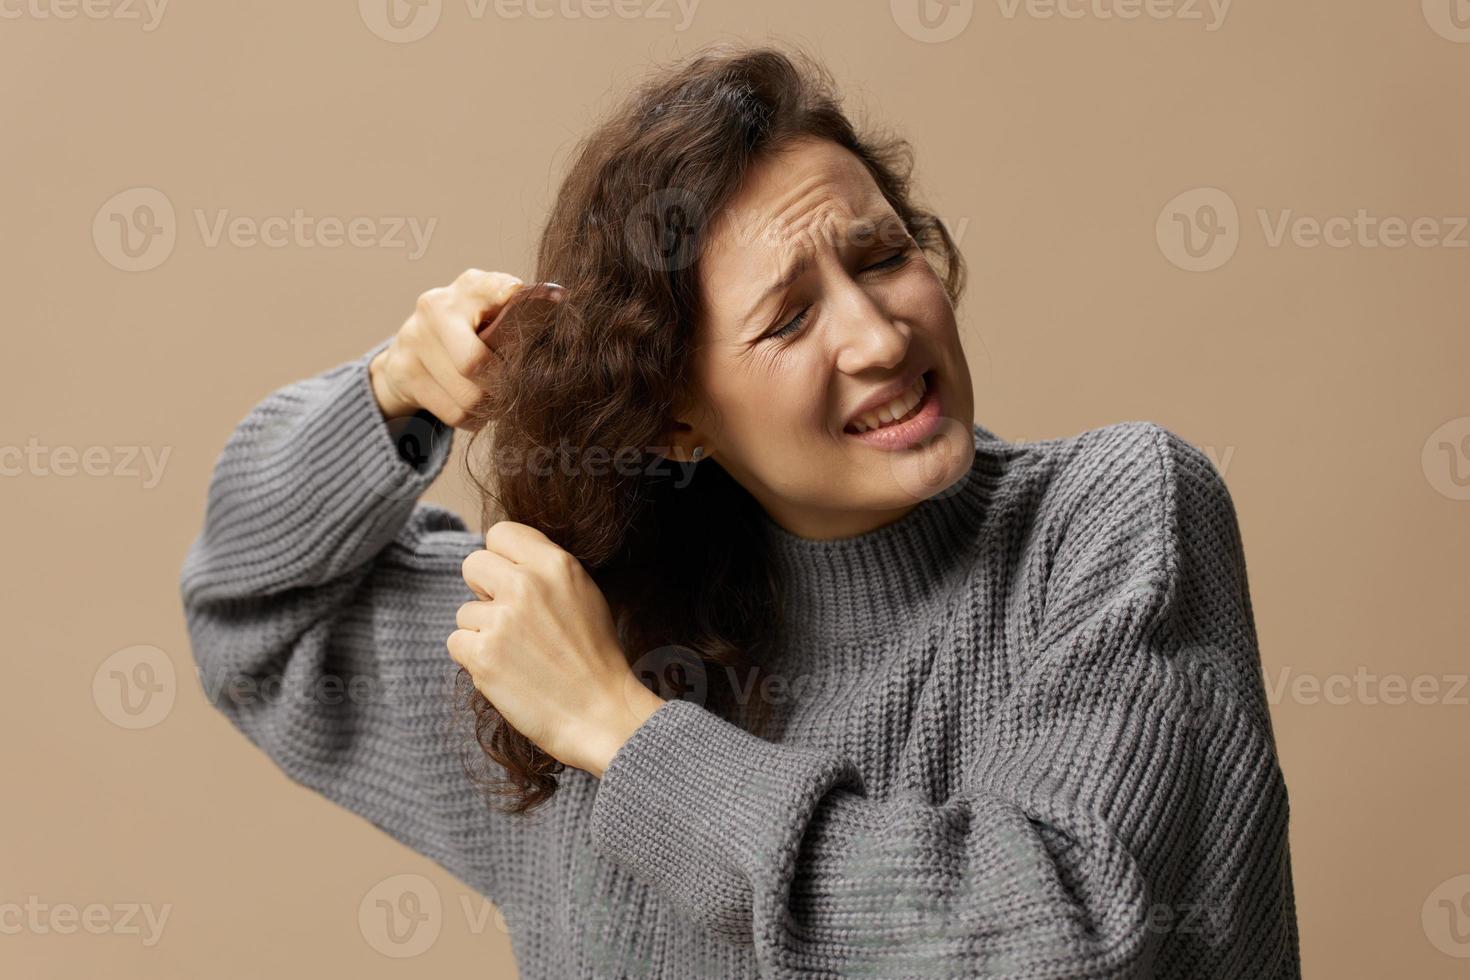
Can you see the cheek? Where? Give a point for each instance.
(783, 402)
(924, 302)
(767, 397)
(790, 399)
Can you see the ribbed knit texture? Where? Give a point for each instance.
(1020, 732)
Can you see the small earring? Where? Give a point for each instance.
(697, 455)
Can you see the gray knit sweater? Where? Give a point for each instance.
(1021, 732)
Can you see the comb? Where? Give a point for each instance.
(536, 291)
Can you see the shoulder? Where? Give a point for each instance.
(1126, 472)
(1128, 508)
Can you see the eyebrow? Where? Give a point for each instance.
(803, 261)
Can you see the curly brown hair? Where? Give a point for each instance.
(675, 547)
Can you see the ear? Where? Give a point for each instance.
(678, 440)
(684, 431)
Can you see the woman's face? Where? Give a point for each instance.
(785, 366)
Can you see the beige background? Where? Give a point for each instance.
(1328, 382)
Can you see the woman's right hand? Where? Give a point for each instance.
(434, 357)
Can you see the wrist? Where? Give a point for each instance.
(390, 403)
(627, 714)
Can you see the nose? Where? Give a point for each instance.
(868, 337)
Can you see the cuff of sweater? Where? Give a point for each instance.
(398, 458)
(708, 813)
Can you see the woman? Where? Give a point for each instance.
(938, 704)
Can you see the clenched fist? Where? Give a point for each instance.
(437, 360)
(540, 644)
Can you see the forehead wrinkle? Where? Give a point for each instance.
(794, 253)
(828, 176)
(790, 214)
(827, 180)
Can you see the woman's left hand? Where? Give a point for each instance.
(540, 644)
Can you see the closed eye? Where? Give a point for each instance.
(792, 326)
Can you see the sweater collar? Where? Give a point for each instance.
(871, 585)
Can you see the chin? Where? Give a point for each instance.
(935, 468)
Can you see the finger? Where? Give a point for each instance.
(486, 572)
(484, 291)
(521, 543)
(474, 290)
(487, 321)
(464, 648)
(452, 376)
(475, 615)
(431, 395)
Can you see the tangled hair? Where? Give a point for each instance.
(595, 378)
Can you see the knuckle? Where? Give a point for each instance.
(412, 369)
(432, 300)
(413, 329)
(469, 365)
(471, 645)
(505, 284)
(559, 567)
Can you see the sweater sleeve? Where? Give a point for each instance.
(318, 595)
(1123, 816)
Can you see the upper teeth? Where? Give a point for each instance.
(895, 409)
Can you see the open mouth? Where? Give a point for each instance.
(900, 410)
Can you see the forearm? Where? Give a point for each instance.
(310, 484)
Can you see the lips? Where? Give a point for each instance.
(890, 405)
